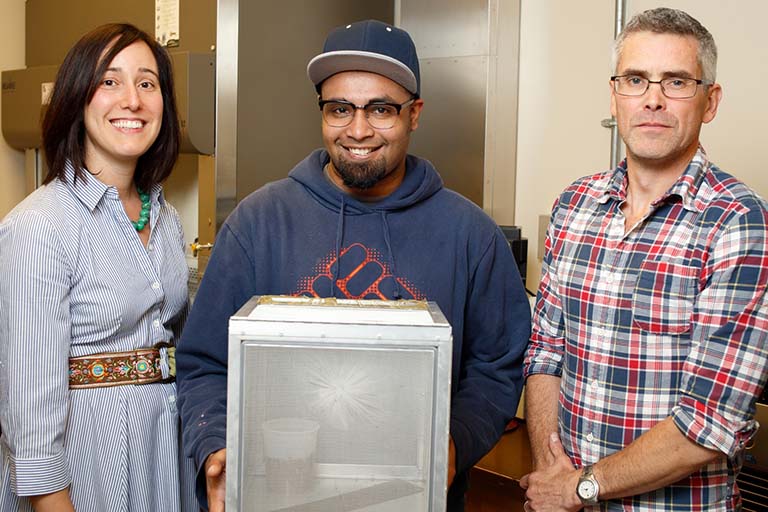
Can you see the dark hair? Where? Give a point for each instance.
(78, 79)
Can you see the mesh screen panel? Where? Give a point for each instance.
(354, 427)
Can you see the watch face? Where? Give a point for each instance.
(586, 490)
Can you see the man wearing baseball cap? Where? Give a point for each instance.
(363, 219)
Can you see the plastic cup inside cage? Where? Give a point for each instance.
(289, 450)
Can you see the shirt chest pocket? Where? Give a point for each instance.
(662, 302)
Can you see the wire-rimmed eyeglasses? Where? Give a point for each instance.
(380, 115)
(673, 87)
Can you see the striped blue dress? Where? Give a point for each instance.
(75, 279)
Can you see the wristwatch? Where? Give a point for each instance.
(588, 488)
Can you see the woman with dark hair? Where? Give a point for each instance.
(93, 294)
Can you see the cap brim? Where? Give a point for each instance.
(328, 64)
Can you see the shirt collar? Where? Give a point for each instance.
(90, 190)
(686, 187)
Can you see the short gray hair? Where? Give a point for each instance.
(671, 21)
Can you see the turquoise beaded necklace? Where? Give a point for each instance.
(145, 207)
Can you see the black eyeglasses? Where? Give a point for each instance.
(380, 115)
(674, 87)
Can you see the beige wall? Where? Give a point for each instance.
(564, 63)
(564, 69)
(11, 57)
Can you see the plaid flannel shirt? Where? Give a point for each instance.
(668, 319)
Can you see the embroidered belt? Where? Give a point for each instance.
(143, 366)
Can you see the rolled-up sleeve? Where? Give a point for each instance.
(547, 345)
(34, 349)
(727, 367)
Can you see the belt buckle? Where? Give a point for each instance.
(167, 353)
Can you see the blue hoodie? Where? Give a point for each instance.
(423, 241)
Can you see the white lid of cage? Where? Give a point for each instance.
(342, 311)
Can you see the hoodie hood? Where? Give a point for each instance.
(420, 183)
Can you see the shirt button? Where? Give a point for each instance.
(609, 279)
(595, 385)
(155, 285)
(590, 437)
(150, 247)
(156, 323)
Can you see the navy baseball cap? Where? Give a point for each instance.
(370, 46)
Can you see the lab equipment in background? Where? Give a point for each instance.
(519, 246)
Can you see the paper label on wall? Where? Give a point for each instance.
(46, 89)
(167, 22)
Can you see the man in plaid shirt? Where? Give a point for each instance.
(649, 345)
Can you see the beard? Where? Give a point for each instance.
(361, 175)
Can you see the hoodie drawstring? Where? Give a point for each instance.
(398, 295)
(339, 238)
